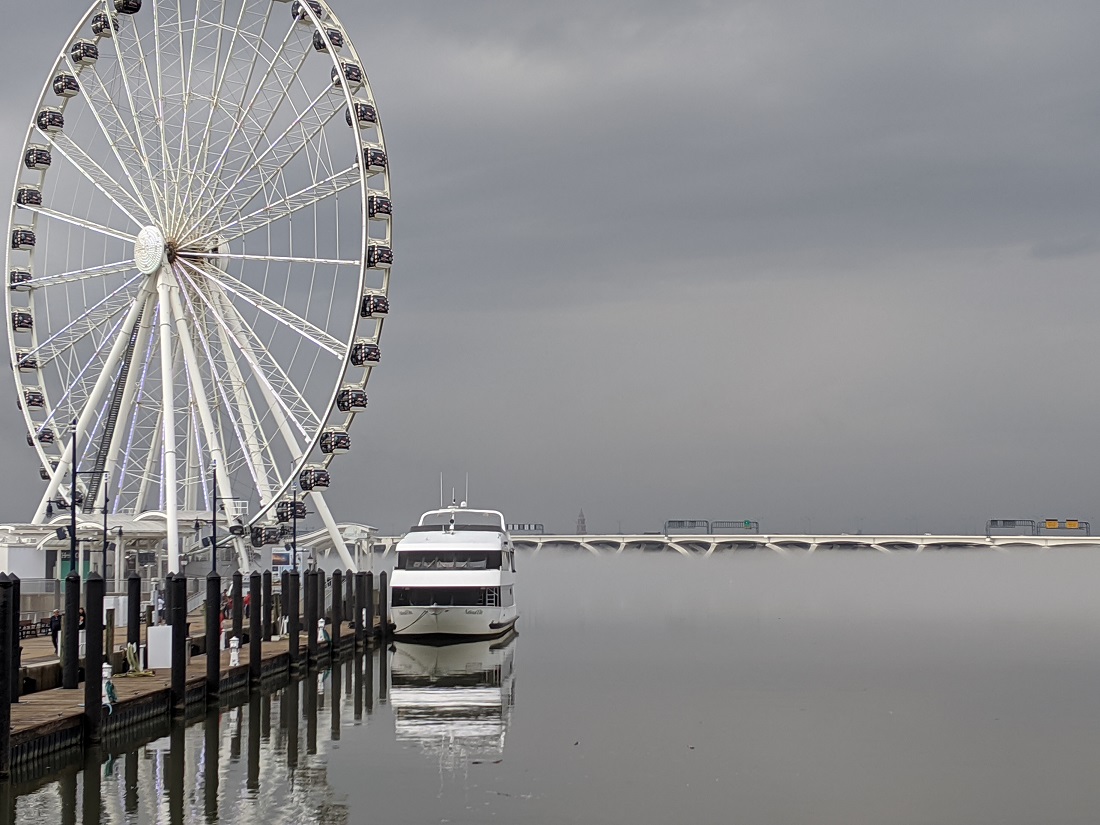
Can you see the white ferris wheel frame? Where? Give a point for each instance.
(164, 301)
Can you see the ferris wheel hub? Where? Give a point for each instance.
(149, 250)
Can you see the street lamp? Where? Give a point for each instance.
(234, 529)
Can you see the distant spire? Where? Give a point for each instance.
(582, 529)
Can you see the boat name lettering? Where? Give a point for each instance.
(474, 612)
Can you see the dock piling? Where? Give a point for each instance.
(178, 590)
(291, 607)
(93, 658)
(255, 633)
(70, 647)
(267, 605)
(133, 611)
(370, 605)
(16, 647)
(213, 636)
(362, 621)
(337, 610)
(238, 604)
(311, 617)
(5, 684)
(384, 604)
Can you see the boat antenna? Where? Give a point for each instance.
(441, 490)
(467, 496)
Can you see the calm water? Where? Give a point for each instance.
(839, 688)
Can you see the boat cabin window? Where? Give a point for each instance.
(449, 560)
(445, 596)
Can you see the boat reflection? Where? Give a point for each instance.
(454, 701)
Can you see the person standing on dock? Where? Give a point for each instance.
(55, 629)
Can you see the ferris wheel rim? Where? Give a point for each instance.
(328, 410)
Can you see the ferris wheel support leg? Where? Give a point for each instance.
(333, 530)
(91, 407)
(111, 467)
(168, 410)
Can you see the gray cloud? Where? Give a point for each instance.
(815, 264)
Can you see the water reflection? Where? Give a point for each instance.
(454, 701)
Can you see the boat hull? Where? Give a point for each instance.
(452, 622)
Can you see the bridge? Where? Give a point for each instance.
(708, 544)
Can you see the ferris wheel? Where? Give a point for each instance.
(198, 260)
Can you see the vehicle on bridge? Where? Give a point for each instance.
(454, 576)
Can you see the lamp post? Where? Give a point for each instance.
(214, 517)
(72, 504)
(294, 530)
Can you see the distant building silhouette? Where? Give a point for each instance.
(582, 528)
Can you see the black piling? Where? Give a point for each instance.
(70, 647)
(291, 607)
(309, 685)
(238, 606)
(362, 622)
(337, 610)
(213, 636)
(16, 647)
(336, 694)
(130, 800)
(357, 684)
(93, 658)
(370, 605)
(211, 734)
(311, 616)
(252, 783)
(284, 594)
(349, 595)
(169, 594)
(320, 583)
(133, 610)
(92, 785)
(178, 589)
(175, 775)
(292, 723)
(267, 600)
(255, 632)
(384, 604)
(5, 684)
(383, 674)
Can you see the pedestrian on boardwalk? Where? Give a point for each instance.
(83, 619)
(55, 629)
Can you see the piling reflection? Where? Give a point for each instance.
(267, 760)
(454, 701)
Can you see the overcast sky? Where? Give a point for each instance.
(829, 266)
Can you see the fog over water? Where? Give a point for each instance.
(940, 687)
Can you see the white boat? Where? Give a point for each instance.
(454, 576)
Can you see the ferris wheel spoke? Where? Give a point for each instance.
(266, 371)
(129, 204)
(285, 207)
(83, 223)
(88, 273)
(274, 309)
(243, 110)
(135, 105)
(242, 31)
(162, 22)
(269, 163)
(127, 154)
(240, 256)
(80, 327)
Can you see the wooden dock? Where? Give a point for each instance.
(49, 721)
